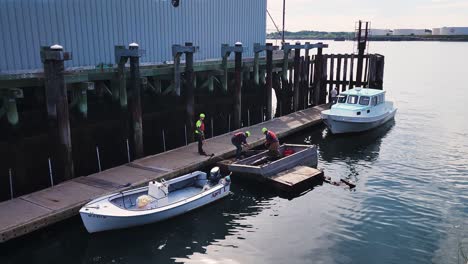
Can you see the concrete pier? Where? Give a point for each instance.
(33, 211)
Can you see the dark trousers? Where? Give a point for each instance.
(238, 148)
(199, 138)
(334, 100)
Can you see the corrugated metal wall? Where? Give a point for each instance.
(91, 28)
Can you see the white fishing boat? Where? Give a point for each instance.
(156, 202)
(358, 110)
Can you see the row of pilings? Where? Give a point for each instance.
(62, 123)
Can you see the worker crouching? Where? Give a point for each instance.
(238, 140)
(272, 143)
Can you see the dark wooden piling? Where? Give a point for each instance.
(237, 115)
(362, 41)
(57, 109)
(345, 69)
(269, 80)
(351, 72)
(190, 95)
(135, 106)
(338, 72)
(379, 71)
(120, 81)
(297, 72)
(306, 73)
(331, 76)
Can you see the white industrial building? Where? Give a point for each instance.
(381, 32)
(436, 31)
(410, 32)
(453, 31)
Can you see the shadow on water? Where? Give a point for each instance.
(354, 146)
(179, 237)
(344, 146)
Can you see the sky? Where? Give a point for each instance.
(341, 15)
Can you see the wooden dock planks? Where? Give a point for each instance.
(27, 213)
(296, 178)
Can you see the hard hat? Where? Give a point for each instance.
(247, 133)
(264, 130)
(202, 115)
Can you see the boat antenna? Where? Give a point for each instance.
(272, 20)
(284, 16)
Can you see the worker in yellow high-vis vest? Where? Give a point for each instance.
(200, 133)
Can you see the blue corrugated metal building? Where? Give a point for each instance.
(91, 28)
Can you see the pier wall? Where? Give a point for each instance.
(41, 146)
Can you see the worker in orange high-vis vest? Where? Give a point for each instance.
(272, 143)
(200, 133)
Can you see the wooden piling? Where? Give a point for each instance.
(269, 80)
(307, 70)
(331, 77)
(297, 70)
(338, 71)
(256, 67)
(57, 107)
(189, 95)
(351, 72)
(135, 106)
(345, 69)
(361, 48)
(237, 115)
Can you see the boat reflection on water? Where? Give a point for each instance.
(353, 146)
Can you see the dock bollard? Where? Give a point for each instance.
(98, 158)
(50, 174)
(128, 151)
(11, 183)
(164, 140)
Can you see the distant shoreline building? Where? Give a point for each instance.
(411, 32)
(448, 31)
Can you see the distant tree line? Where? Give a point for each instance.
(310, 34)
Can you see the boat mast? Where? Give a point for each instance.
(284, 15)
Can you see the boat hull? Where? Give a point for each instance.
(341, 125)
(306, 156)
(99, 222)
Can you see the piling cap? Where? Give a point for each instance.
(56, 47)
(238, 43)
(133, 45)
(247, 133)
(202, 115)
(264, 130)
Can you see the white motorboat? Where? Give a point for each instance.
(156, 202)
(358, 110)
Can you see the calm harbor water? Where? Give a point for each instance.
(410, 204)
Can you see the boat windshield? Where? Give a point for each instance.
(352, 99)
(364, 100)
(342, 99)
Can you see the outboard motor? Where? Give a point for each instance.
(215, 175)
